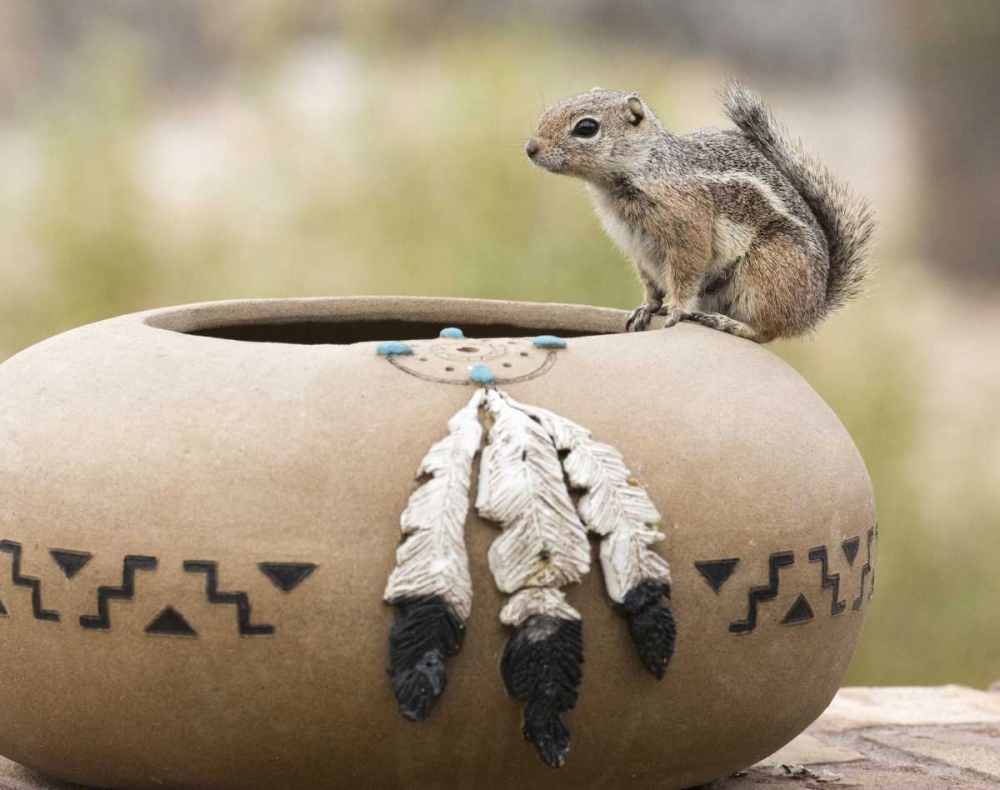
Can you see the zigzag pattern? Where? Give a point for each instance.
(830, 582)
(132, 563)
(758, 595)
(871, 587)
(865, 570)
(239, 599)
(35, 585)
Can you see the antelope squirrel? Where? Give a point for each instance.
(738, 229)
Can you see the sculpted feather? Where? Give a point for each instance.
(532, 460)
(521, 486)
(542, 666)
(433, 560)
(430, 584)
(615, 506)
(543, 547)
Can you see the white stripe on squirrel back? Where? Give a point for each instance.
(433, 559)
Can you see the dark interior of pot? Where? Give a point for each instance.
(316, 332)
(368, 319)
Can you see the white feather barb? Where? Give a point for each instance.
(432, 560)
(537, 600)
(628, 559)
(614, 504)
(521, 486)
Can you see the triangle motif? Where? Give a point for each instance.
(286, 576)
(850, 547)
(170, 622)
(70, 562)
(717, 572)
(801, 612)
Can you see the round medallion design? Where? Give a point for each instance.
(450, 360)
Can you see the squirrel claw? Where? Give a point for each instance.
(641, 316)
(674, 317)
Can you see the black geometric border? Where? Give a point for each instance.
(830, 581)
(32, 583)
(865, 570)
(758, 595)
(126, 592)
(238, 599)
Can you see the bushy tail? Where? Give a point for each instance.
(848, 221)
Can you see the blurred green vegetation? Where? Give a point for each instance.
(935, 609)
(420, 186)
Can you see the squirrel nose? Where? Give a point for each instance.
(532, 147)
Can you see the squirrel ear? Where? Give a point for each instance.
(635, 111)
(596, 90)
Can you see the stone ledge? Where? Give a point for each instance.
(912, 738)
(907, 738)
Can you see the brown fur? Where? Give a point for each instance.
(737, 230)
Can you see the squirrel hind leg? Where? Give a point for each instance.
(730, 326)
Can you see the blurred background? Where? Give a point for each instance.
(158, 153)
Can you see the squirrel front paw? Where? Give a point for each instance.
(641, 316)
(674, 316)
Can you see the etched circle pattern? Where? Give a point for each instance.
(448, 361)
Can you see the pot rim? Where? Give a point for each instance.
(231, 319)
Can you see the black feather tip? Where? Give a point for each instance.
(650, 624)
(542, 666)
(425, 631)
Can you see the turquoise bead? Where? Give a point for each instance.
(549, 341)
(393, 348)
(481, 374)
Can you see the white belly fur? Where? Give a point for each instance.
(730, 240)
(637, 246)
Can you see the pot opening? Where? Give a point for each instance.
(344, 332)
(341, 321)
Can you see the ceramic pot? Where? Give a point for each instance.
(201, 507)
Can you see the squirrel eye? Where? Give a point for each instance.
(586, 127)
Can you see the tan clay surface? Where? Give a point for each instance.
(131, 438)
(875, 738)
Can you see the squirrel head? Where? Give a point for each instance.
(596, 136)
